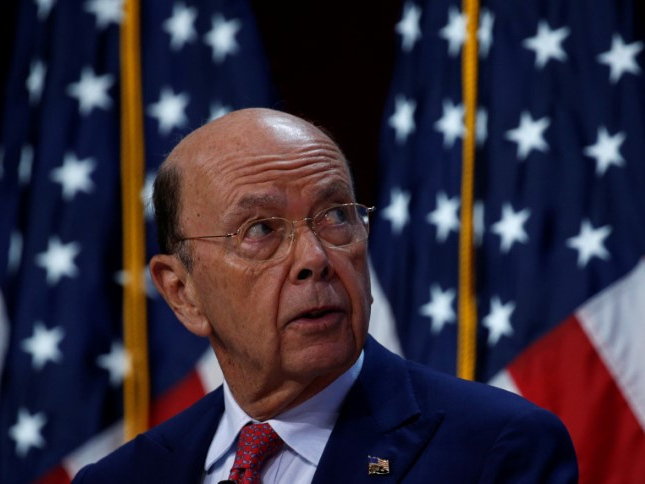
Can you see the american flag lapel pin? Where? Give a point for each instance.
(377, 466)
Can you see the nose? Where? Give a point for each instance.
(310, 259)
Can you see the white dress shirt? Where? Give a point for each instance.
(305, 430)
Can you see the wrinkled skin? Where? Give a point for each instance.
(251, 164)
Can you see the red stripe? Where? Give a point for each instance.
(57, 475)
(563, 373)
(178, 398)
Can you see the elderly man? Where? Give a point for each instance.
(264, 252)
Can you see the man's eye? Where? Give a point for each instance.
(334, 216)
(259, 229)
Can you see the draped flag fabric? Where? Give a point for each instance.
(559, 211)
(62, 357)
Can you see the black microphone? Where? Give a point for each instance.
(226, 482)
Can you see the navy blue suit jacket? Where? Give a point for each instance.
(432, 428)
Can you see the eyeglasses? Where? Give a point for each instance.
(272, 238)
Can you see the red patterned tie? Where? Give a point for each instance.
(256, 443)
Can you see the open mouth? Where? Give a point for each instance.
(319, 314)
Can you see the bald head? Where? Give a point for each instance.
(248, 135)
(243, 131)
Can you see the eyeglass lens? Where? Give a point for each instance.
(272, 237)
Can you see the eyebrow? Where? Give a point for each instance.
(334, 189)
(249, 203)
(258, 201)
(273, 202)
(269, 201)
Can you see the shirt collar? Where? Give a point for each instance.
(304, 428)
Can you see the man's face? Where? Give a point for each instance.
(301, 318)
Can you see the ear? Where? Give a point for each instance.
(176, 286)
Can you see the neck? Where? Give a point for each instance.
(265, 403)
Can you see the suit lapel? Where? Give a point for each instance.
(176, 451)
(379, 418)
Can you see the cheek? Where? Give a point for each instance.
(365, 293)
(356, 279)
(244, 298)
(361, 269)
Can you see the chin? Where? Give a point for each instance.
(319, 360)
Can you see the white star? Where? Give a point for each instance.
(123, 278)
(58, 260)
(529, 135)
(481, 126)
(218, 110)
(15, 252)
(511, 227)
(43, 345)
(451, 123)
(169, 110)
(402, 121)
(146, 196)
(74, 176)
(181, 26)
(409, 27)
(590, 242)
(116, 362)
(498, 320)
(547, 44)
(91, 91)
(606, 151)
(454, 31)
(106, 11)
(44, 7)
(445, 216)
(485, 32)
(621, 58)
(439, 308)
(397, 211)
(478, 221)
(36, 81)
(25, 164)
(26, 432)
(221, 37)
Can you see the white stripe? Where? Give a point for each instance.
(4, 334)
(382, 323)
(94, 449)
(209, 371)
(505, 381)
(614, 321)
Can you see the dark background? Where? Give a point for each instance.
(331, 62)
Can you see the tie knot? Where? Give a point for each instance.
(255, 444)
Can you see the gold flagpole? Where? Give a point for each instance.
(467, 339)
(136, 392)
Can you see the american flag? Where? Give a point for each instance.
(62, 357)
(377, 466)
(559, 211)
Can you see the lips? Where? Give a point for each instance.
(316, 314)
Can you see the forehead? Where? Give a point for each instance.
(309, 176)
(267, 168)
